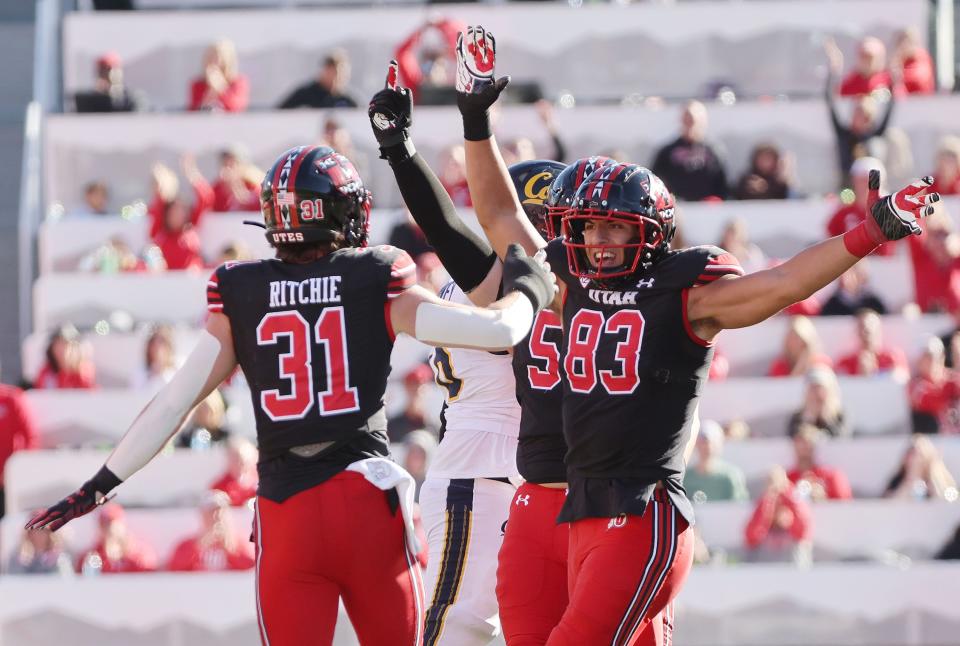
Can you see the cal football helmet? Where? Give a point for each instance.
(312, 194)
(565, 185)
(532, 181)
(628, 193)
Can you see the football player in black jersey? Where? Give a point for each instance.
(312, 330)
(639, 321)
(531, 589)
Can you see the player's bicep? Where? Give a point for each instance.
(734, 302)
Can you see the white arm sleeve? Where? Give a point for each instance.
(161, 418)
(474, 328)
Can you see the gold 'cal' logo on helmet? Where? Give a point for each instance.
(530, 192)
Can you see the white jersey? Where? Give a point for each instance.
(481, 416)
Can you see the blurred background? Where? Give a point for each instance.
(133, 137)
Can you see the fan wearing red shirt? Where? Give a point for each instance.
(66, 366)
(948, 166)
(218, 546)
(934, 390)
(825, 483)
(238, 184)
(116, 550)
(17, 432)
(781, 524)
(850, 215)
(173, 223)
(914, 62)
(870, 73)
(872, 357)
(239, 483)
(428, 55)
(221, 87)
(801, 350)
(936, 265)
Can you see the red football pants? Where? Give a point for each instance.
(532, 566)
(338, 539)
(623, 573)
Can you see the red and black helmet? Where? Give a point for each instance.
(565, 185)
(627, 193)
(532, 181)
(312, 194)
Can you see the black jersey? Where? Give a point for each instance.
(633, 373)
(314, 342)
(538, 371)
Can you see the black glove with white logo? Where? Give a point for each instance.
(530, 276)
(391, 115)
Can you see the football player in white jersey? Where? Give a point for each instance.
(473, 475)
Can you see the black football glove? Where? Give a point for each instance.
(896, 215)
(530, 276)
(477, 89)
(391, 115)
(88, 497)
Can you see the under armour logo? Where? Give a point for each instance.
(523, 499)
(584, 282)
(645, 282)
(616, 523)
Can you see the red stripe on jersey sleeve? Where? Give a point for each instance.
(214, 300)
(723, 264)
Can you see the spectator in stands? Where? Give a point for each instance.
(453, 175)
(417, 384)
(116, 550)
(947, 174)
(934, 391)
(236, 251)
(237, 187)
(736, 240)
(420, 445)
(711, 478)
(218, 546)
(522, 149)
(822, 406)
(109, 93)
(871, 71)
(922, 474)
(936, 264)
(689, 165)
(719, 366)
(850, 215)
(328, 89)
(427, 61)
(781, 526)
(221, 87)
(912, 63)
(813, 480)
(17, 431)
(173, 222)
(40, 552)
(872, 358)
(207, 424)
(407, 235)
(801, 350)
(240, 480)
(115, 256)
(96, 199)
(853, 294)
(767, 178)
(68, 364)
(160, 360)
(853, 139)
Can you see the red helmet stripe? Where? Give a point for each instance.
(292, 182)
(609, 181)
(277, 217)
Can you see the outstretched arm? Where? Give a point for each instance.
(529, 287)
(740, 302)
(211, 361)
(465, 255)
(494, 198)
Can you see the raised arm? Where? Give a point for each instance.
(494, 198)
(211, 361)
(740, 302)
(466, 256)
